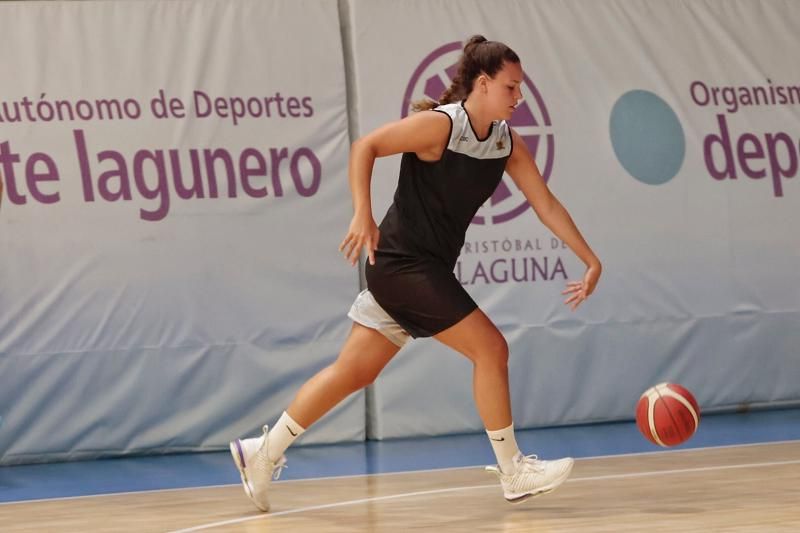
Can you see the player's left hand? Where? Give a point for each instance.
(579, 291)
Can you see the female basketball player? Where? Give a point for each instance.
(453, 158)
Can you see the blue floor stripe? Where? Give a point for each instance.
(59, 480)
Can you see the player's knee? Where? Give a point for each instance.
(363, 379)
(500, 351)
(355, 377)
(495, 351)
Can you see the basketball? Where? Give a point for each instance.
(667, 414)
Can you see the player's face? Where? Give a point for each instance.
(504, 90)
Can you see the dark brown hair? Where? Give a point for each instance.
(479, 56)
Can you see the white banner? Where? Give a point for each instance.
(670, 132)
(176, 188)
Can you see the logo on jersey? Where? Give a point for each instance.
(531, 121)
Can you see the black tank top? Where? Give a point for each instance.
(435, 201)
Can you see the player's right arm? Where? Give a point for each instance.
(425, 133)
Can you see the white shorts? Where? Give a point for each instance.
(366, 311)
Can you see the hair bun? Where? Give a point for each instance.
(473, 41)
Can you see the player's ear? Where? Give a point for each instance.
(483, 83)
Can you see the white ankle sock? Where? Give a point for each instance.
(282, 435)
(505, 447)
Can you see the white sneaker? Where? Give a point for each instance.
(532, 477)
(255, 468)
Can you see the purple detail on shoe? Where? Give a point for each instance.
(241, 453)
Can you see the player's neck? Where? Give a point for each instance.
(480, 120)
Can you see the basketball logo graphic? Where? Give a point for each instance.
(531, 121)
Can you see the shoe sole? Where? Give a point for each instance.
(544, 490)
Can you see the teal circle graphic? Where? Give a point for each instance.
(647, 137)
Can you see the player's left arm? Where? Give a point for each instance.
(523, 170)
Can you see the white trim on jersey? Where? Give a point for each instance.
(464, 140)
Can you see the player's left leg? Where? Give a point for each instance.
(260, 460)
(521, 477)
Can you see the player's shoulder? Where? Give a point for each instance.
(455, 111)
(432, 118)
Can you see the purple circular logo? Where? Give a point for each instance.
(531, 121)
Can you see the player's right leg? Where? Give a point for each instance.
(260, 460)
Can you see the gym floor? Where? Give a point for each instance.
(152, 473)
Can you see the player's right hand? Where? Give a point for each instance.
(363, 233)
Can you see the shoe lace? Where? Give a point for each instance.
(276, 471)
(532, 462)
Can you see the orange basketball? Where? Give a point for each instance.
(667, 414)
